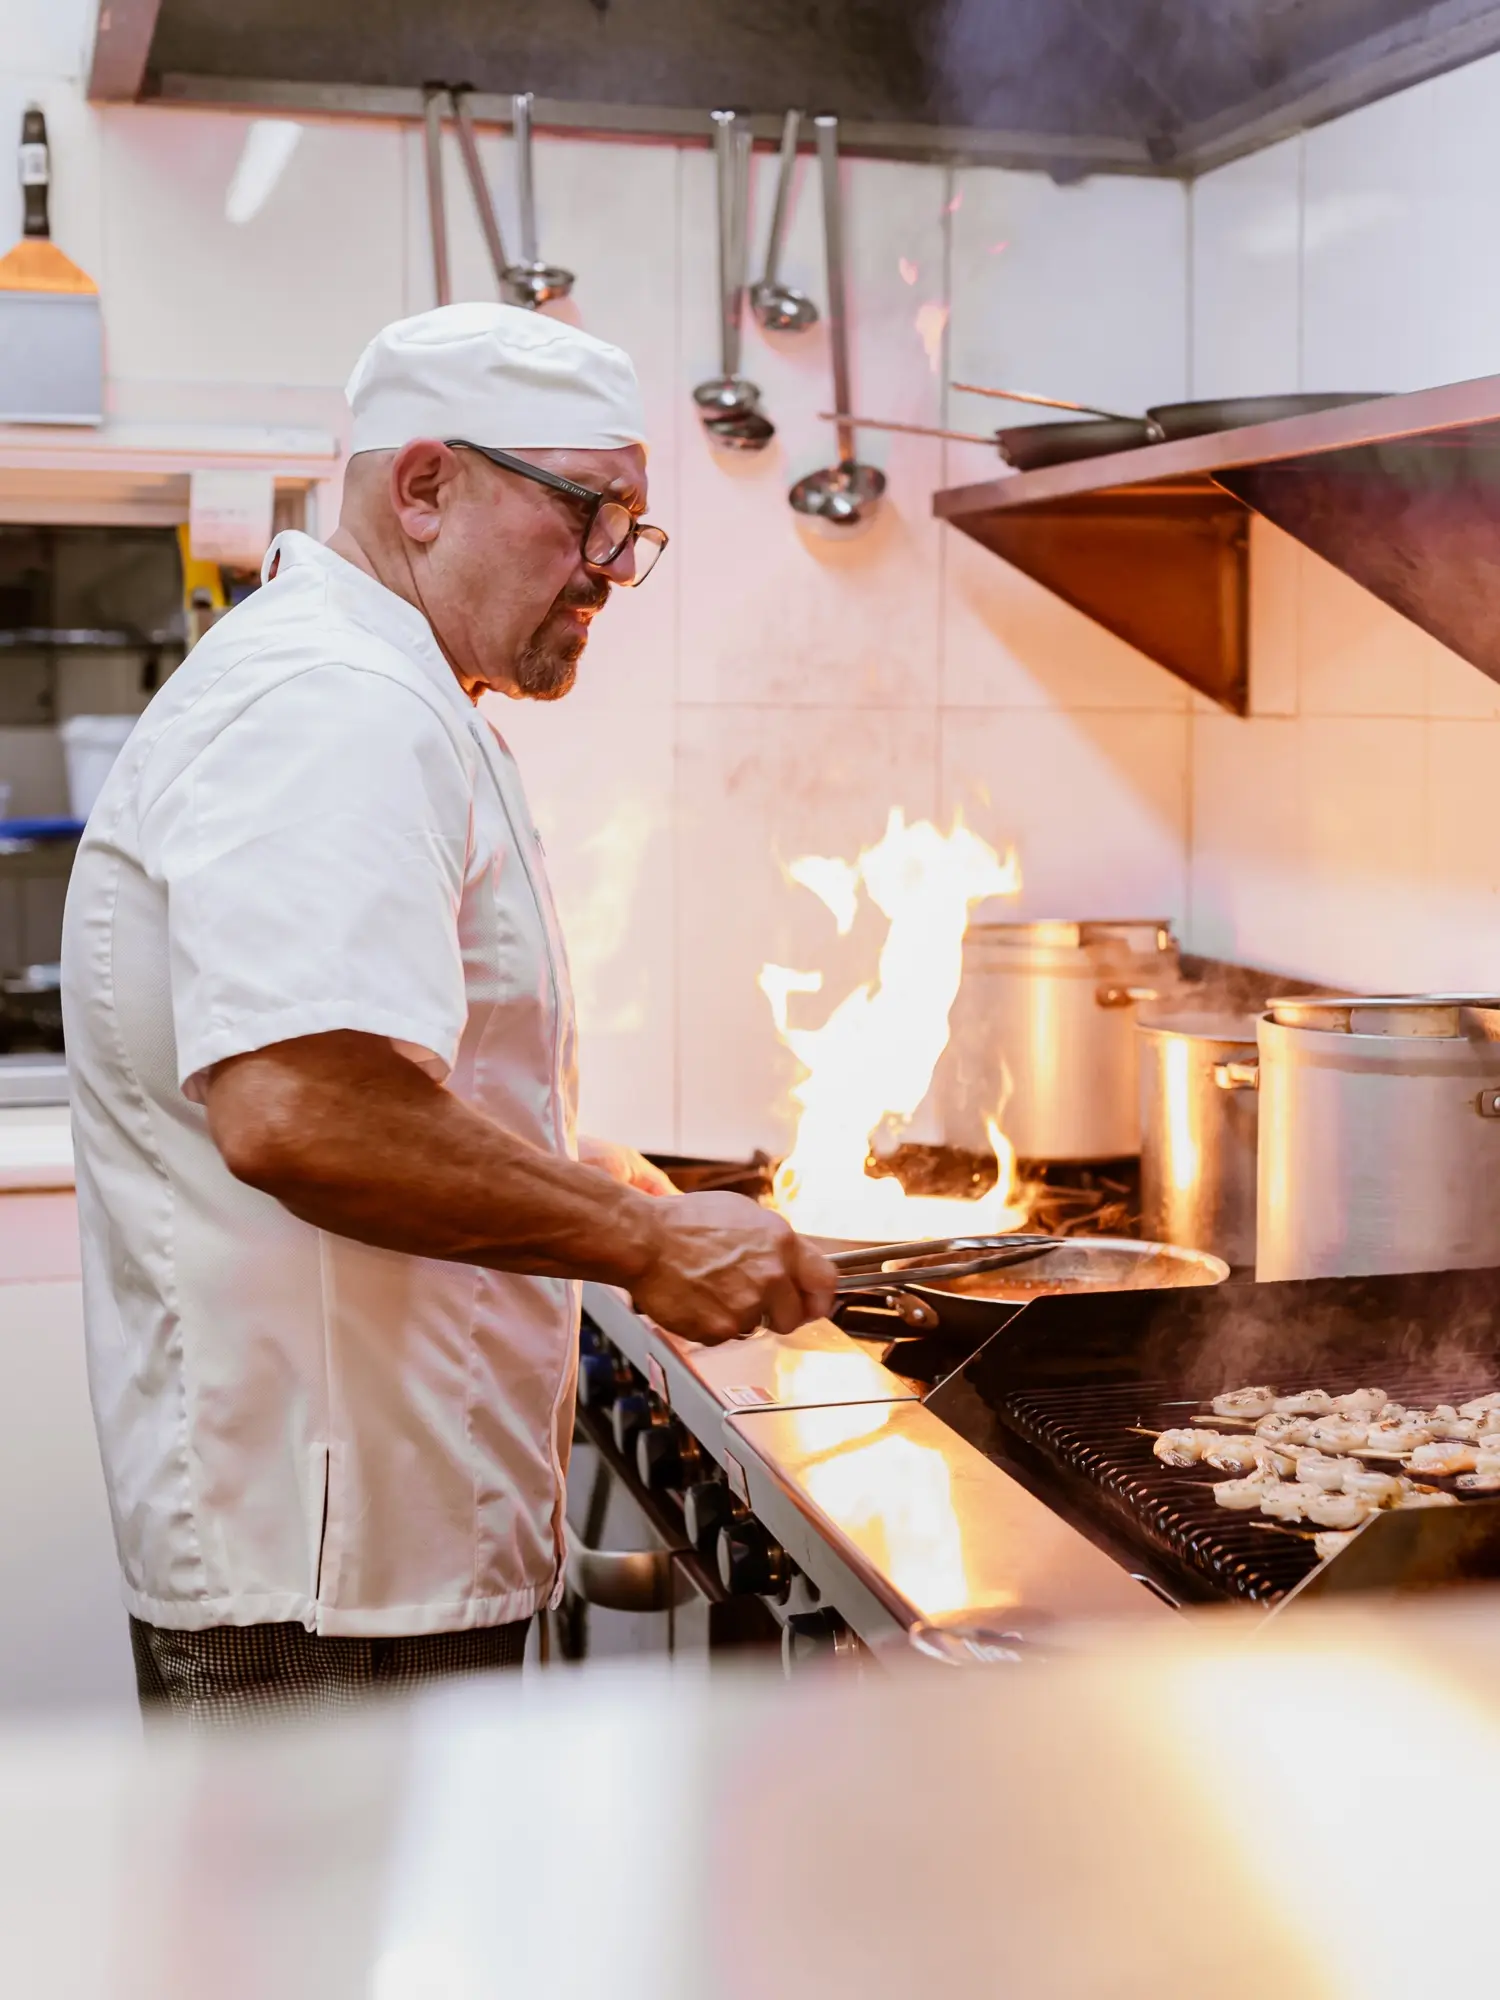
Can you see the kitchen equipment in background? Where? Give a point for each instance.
(51, 329)
(844, 496)
(479, 187)
(1029, 447)
(1379, 1135)
(779, 307)
(1199, 1114)
(91, 743)
(533, 282)
(437, 211)
(729, 404)
(1042, 1034)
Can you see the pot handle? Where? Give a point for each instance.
(1123, 996)
(1238, 1075)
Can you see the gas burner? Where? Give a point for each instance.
(1064, 1198)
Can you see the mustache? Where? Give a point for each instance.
(586, 597)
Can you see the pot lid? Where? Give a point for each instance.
(1433, 1016)
(1069, 933)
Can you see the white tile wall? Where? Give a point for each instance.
(1246, 266)
(1350, 839)
(291, 295)
(1094, 803)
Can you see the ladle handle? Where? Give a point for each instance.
(437, 215)
(912, 430)
(827, 128)
(726, 165)
(520, 114)
(784, 175)
(479, 187)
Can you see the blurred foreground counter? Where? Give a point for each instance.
(1298, 1808)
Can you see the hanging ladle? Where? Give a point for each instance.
(847, 494)
(781, 308)
(729, 404)
(531, 282)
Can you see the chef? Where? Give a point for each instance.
(333, 1209)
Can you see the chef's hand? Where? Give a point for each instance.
(723, 1266)
(623, 1164)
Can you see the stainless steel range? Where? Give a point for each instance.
(862, 1493)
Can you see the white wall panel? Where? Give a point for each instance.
(601, 786)
(1094, 803)
(1246, 272)
(291, 295)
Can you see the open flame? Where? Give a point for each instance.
(873, 1058)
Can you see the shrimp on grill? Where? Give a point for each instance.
(1485, 1478)
(1427, 1496)
(1338, 1510)
(1442, 1458)
(1392, 1440)
(1381, 1489)
(1186, 1447)
(1246, 1403)
(1324, 1472)
(1243, 1454)
(1306, 1403)
(1366, 1403)
(1330, 1541)
(1242, 1496)
(1338, 1435)
(1281, 1429)
(1481, 1406)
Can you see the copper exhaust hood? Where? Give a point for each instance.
(1402, 493)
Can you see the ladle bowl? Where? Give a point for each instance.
(749, 431)
(842, 496)
(726, 396)
(537, 284)
(782, 308)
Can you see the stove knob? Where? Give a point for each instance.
(600, 1380)
(631, 1414)
(750, 1563)
(706, 1507)
(815, 1635)
(667, 1456)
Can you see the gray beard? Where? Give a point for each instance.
(547, 665)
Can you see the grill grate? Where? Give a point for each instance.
(1095, 1431)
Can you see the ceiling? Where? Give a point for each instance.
(1156, 85)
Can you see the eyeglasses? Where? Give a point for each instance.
(611, 528)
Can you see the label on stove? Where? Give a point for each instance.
(734, 1473)
(746, 1396)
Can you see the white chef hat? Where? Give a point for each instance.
(493, 375)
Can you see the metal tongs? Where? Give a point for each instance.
(935, 1260)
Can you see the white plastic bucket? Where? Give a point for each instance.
(91, 744)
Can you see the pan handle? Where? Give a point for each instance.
(889, 1304)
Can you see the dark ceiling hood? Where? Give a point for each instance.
(1075, 86)
(1401, 493)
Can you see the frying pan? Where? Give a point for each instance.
(1028, 447)
(963, 1286)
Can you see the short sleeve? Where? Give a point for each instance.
(313, 856)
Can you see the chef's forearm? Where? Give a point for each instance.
(351, 1137)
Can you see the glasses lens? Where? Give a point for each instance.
(649, 543)
(608, 533)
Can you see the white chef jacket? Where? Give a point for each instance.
(311, 828)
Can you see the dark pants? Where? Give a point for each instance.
(233, 1674)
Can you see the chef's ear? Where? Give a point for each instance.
(420, 473)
